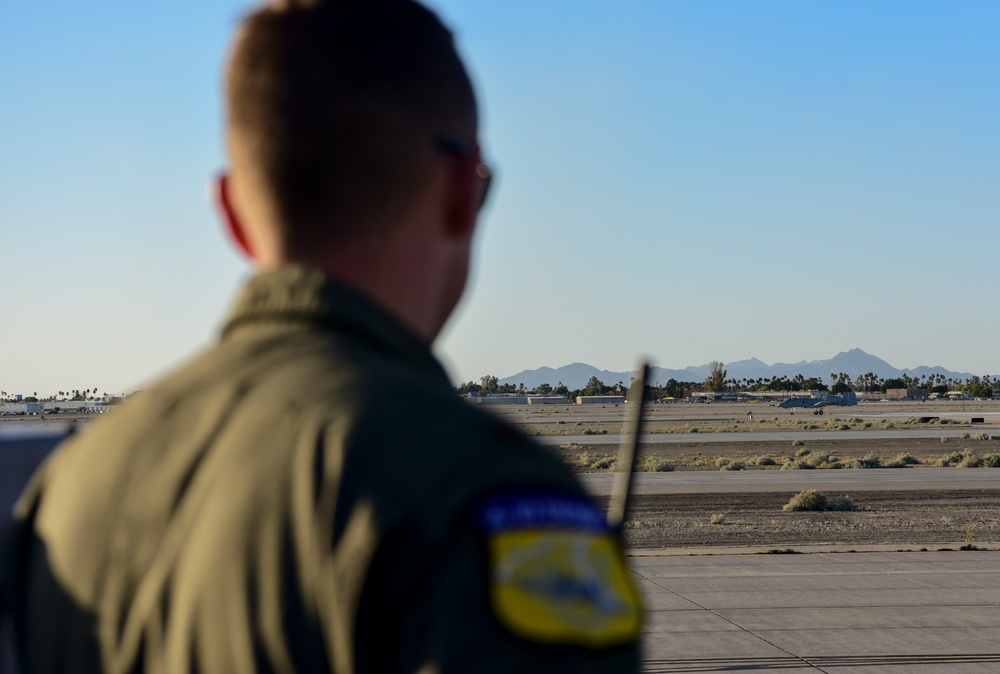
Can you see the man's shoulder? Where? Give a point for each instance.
(434, 448)
(434, 415)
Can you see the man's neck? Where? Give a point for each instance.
(400, 272)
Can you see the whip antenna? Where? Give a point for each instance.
(621, 488)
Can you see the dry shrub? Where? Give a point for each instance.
(588, 461)
(867, 461)
(810, 499)
(902, 461)
(821, 460)
(795, 464)
(655, 464)
(963, 459)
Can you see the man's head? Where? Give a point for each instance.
(336, 111)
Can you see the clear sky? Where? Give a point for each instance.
(684, 180)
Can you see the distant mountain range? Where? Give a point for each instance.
(854, 362)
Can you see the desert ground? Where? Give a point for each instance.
(762, 436)
(687, 437)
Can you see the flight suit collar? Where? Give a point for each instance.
(299, 295)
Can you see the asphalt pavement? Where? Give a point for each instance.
(879, 479)
(758, 436)
(861, 613)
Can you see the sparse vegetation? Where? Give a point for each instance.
(963, 459)
(970, 538)
(864, 462)
(812, 500)
(718, 519)
(821, 460)
(605, 463)
(795, 464)
(902, 461)
(655, 464)
(991, 461)
(750, 453)
(590, 461)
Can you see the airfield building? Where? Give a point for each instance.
(547, 400)
(599, 400)
(500, 400)
(55, 407)
(21, 408)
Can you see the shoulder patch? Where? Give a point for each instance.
(557, 575)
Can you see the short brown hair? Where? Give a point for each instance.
(336, 105)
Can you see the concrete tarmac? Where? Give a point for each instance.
(862, 613)
(781, 437)
(716, 481)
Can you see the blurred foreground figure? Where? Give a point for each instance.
(310, 495)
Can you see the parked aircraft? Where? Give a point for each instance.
(846, 399)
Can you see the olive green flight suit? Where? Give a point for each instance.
(299, 498)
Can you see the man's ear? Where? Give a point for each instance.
(223, 201)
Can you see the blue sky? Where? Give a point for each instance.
(683, 180)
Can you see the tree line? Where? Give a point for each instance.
(490, 385)
(90, 394)
(719, 382)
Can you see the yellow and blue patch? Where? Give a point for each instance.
(557, 575)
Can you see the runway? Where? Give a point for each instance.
(865, 613)
(761, 436)
(882, 479)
